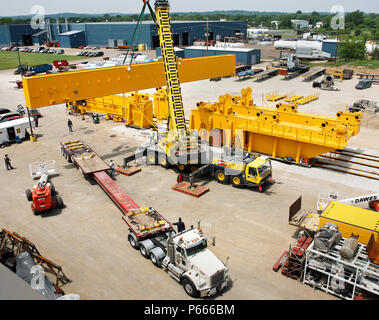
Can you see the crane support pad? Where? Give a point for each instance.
(129, 171)
(57, 88)
(185, 187)
(114, 191)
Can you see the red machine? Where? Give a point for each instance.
(44, 196)
(374, 205)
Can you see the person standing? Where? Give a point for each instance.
(180, 225)
(111, 165)
(36, 121)
(69, 124)
(8, 162)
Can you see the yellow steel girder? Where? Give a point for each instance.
(57, 88)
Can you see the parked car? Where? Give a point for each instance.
(4, 110)
(60, 51)
(363, 84)
(9, 116)
(5, 49)
(15, 49)
(100, 54)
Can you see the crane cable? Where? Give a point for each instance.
(136, 32)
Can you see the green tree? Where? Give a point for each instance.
(351, 50)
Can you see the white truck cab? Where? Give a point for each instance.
(191, 263)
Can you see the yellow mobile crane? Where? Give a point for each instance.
(177, 147)
(174, 146)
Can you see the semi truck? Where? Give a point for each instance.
(184, 255)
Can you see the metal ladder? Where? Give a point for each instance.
(169, 60)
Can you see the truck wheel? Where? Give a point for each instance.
(190, 288)
(143, 251)
(163, 161)
(151, 159)
(52, 189)
(133, 241)
(29, 195)
(35, 212)
(237, 182)
(60, 202)
(155, 260)
(221, 177)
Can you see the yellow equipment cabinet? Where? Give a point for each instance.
(352, 220)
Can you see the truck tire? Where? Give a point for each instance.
(29, 195)
(35, 212)
(237, 182)
(145, 246)
(155, 260)
(190, 288)
(133, 241)
(52, 189)
(163, 161)
(156, 256)
(221, 177)
(60, 203)
(151, 158)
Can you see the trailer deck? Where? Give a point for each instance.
(266, 73)
(314, 72)
(84, 157)
(144, 222)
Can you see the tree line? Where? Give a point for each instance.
(356, 21)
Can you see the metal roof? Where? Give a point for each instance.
(69, 33)
(39, 33)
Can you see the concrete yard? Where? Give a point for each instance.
(89, 239)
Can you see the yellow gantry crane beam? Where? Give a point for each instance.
(57, 88)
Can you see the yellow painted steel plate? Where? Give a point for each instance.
(57, 88)
(351, 215)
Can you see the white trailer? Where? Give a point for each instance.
(9, 130)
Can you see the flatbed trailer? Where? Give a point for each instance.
(85, 159)
(313, 72)
(266, 73)
(151, 233)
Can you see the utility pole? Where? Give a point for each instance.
(338, 33)
(207, 35)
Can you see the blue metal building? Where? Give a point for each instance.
(72, 39)
(101, 34)
(246, 56)
(16, 33)
(330, 46)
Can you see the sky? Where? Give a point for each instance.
(23, 7)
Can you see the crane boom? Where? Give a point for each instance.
(174, 95)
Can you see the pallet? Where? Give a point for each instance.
(185, 187)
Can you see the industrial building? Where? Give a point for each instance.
(248, 56)
(112, 34)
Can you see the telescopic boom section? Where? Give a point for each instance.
(175, 100)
